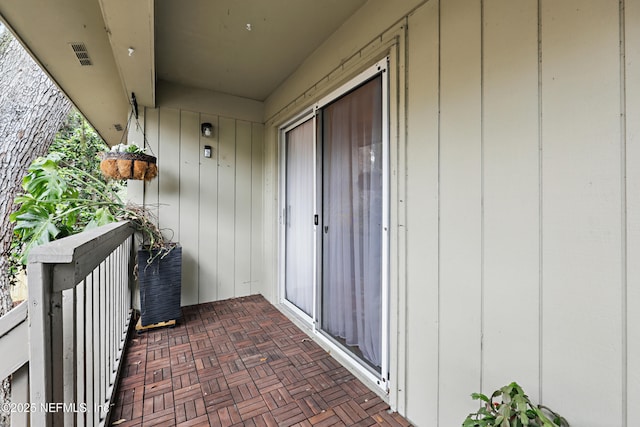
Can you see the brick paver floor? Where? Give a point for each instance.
(239, 362)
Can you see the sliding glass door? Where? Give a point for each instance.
(352, 221)
(335, 219)
(299, 215)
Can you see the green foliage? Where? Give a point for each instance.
(80, 146)
(128, 148)
(52, 206)
(65, 193)
(79, 143)
(63, 190)
(509, 406)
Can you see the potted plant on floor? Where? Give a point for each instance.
(160, 279)
(510, 407)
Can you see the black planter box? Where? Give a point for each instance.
(160, 286)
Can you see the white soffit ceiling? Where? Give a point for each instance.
(49, 29)
(245, 48)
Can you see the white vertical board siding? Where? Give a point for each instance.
(242, 274)
(208, 218)
(152, 133)
(209, 205)
(189, 203)
(537, 194)
(523, 207)
(581, 211)
(226, 208)
(271, 219)
(257, 149)
(135, 188)
(632, 122)
(511, 242)
(169, 174)
(421, 352)
(460, 206)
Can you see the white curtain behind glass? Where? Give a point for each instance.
(299, 217)
(352, 217)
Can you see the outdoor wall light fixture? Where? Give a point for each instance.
(207, 129)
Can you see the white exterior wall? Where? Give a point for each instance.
(516, 194)
(522, 183)
(212, 206)
(532, 199)
(631, 137)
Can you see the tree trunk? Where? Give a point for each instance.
(32, 108)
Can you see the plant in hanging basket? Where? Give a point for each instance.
(128, 162)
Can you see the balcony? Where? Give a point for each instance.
(239, 362)
(233, 362)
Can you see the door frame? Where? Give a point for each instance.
(380, 378)
(297, 121)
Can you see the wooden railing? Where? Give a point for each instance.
(14, 348)
(66, 345)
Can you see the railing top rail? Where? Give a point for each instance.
(13, 340)
(81, 253)
(13, 318)
(70, 248)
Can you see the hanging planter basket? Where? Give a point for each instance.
(139, 166)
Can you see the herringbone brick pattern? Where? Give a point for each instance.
(239, 362)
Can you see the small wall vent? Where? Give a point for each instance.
(118, 127)
(81, 53)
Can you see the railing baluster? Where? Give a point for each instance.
(113, 317)
(119, 323)
(108, 280)
(69, 353)
(124, 277)
(81, 369)
(57, 356)
(109, 329)
(102, 304)
(15, 359)
(40, 340)
(20, 394)
(95, 390)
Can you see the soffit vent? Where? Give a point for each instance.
(81, 53)
(118, 127)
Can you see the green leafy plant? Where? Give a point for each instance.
(80, 145)
(509, 406)
(127, 148)
(60, 199)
